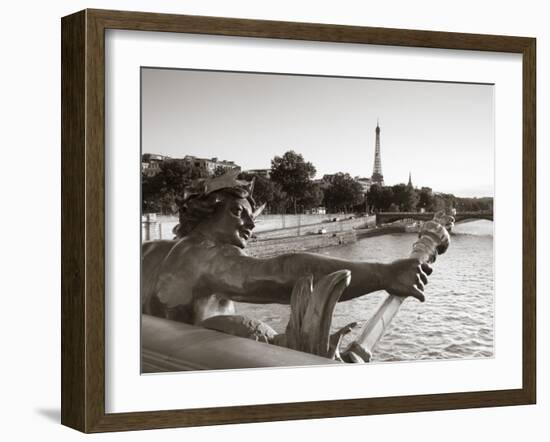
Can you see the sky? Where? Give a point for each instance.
(442, 133)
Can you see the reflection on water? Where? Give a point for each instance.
(456, 321)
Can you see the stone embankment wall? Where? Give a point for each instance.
(273, 222)
(267, 226)
(266, 248)
(312, 229)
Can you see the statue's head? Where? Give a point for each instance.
(221, 208)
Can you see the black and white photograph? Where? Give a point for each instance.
(264, 221)
(294, 220)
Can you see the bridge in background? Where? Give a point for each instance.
(460, 217)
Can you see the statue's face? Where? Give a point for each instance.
(233, 222)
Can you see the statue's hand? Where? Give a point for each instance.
(441, 226)
(437, 234)
(407, 277)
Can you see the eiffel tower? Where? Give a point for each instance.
(377, 177)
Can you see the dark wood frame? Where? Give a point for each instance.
(83, 217)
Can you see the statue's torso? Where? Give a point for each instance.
(171, 282)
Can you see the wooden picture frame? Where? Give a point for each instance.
(83, 220)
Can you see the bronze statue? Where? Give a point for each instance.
(204, 269)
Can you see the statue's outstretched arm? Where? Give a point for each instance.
(248, 279)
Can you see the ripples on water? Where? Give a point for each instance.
(456, 321)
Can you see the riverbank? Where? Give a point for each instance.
(302, 232)
(268, 226)
(263, 247)
(332, 225)
(267, 248)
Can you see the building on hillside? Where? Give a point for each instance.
(210, 164)
(264, 173)
(366, 183)
(150, 163)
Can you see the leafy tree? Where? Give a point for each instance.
(399, 191)
(151, 189)
(405, 197)
(266, 191)
(373, 197)
(444, 201)
(393, 208)
(313, 196)
(163, 192)
(342, 193)
(425, 199)
(380, 198)
(293, 174)
(474, 204)
(387, 198)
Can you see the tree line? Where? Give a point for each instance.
(405, 198)
(291, 188)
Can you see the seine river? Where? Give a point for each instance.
(456, 321)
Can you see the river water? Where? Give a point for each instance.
(455, 321)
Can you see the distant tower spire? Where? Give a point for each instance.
(410, 180)
(377, 177)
